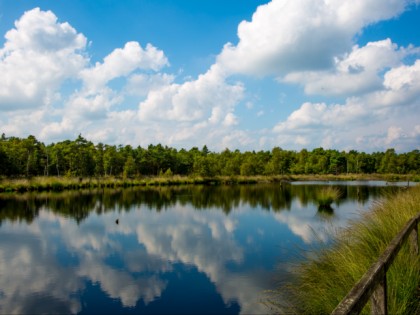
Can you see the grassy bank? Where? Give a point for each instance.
(65, 183)
(323, 280)
(70, 183)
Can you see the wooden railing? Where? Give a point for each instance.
(373, 284)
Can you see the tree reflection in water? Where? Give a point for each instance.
(56, 249)
(78, 204)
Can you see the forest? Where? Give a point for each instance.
(27, 157)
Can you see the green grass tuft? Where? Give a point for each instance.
(327, 195)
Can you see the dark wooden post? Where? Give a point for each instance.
(379, 298)
(414, 239)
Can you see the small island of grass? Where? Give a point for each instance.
(326, 196)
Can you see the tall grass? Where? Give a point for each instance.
(323, 280)
(326, 195)
(51, 183)
(67, 183)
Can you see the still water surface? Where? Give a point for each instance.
(174, 249)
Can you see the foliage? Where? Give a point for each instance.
(323, 280)
(20, 157)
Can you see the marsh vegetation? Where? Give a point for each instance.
(326, 196)
(322, 280)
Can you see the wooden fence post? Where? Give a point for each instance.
(379, 298)
(414, 239)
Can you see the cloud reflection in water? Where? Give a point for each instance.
(45, 265)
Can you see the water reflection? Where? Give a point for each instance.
(183, 249)
(79, 204)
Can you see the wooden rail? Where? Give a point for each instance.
(373, 283)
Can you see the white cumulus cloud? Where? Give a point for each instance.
(141, 84)
(388, 117)
(209, 97)
(285, 36)
(356, 72)
(38, 55)
(122, 61)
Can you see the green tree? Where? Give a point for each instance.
(113, 161)
(129, 167)
(204, 165)
(99, 159)
(388, 164)
(299, 165)
(337, 163)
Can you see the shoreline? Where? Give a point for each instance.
(44, 183)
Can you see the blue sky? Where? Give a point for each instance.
(239, 74)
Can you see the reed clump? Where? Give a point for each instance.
(327, 195)
(325, 278)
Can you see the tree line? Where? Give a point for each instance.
(26, 157)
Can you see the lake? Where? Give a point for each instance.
(159, 250)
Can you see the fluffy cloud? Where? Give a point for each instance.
(37, 58)
(286, 36)
(38, 55)
(353, 73)
(280, 38)
(40, 31)
(209, 97)
(92, 106)
(141, 84)
(121, 62)
(307, 44)
(403, 78)
(207, 101)
(383, 118)
(96, 99)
